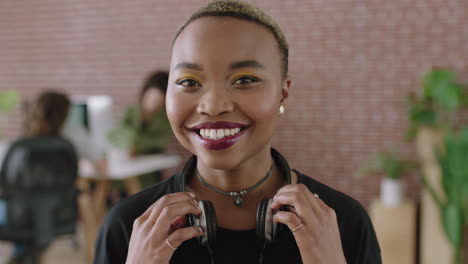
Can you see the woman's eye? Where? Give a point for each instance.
(245, 80)
(188, 83)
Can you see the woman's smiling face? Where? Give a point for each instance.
(225, 89)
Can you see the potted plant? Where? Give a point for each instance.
(453, 203)
(436, 107)
(435, 122)
(393, 167)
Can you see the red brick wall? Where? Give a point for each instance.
(352, 62)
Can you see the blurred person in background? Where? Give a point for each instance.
(45, 118)
(48, 101)
(144, 128)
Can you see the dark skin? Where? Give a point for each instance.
(210, 81)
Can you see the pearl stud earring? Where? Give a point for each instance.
(281, 109)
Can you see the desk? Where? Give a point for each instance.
(126, 170)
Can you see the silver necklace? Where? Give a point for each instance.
(236, 196)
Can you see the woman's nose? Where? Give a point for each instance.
(215, 101)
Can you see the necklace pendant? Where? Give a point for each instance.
(238, 201)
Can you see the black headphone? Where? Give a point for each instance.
(267, 230)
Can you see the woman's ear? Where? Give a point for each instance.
(285, 89)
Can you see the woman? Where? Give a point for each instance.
(144, 128)
(228, 86)
(45, 121)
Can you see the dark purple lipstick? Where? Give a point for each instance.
(222, 143)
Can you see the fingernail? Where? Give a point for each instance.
(191, 194)
(274, 197)
(274, 205)
(201, 230)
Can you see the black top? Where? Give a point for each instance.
(358, 238)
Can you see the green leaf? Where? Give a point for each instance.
(422, 114)
(453, 224)
(440, 86)
(392, 165)
(432, 192)
(452, 166)
(464, 200)
(465, 99)
(387, 163)
(411, 132)
(436, 77)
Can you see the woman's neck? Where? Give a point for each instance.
(228, 214)
(241, 177)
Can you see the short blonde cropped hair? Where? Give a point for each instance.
(244, 11)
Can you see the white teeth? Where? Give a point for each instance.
(212, 134)
(218, 133)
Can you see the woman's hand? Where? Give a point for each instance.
(161, 229)
(313, 223)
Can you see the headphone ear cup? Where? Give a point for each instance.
(211, 224)
(207, 221)
(265, 225)
(267, 229)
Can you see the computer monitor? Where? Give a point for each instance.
(78, 115)
(93, 114)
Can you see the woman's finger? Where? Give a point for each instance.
(179, 222)
(184, 234)
(171, 213)
(290, 219)
(172, 242)
(301, 206)
(155, 209)
(310, 197)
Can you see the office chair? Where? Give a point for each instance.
(37, 181)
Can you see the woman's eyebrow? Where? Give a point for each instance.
(245, 64)
(232, 66)
(188, 65)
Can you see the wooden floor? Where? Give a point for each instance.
(66, 249)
